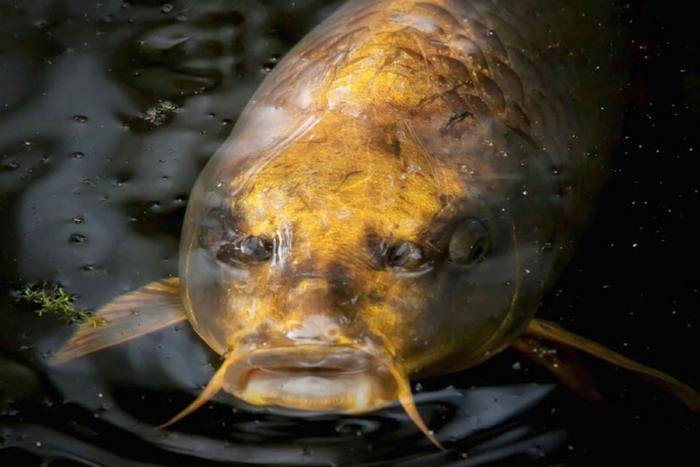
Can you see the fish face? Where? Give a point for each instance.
(330, 272)
(379, 201)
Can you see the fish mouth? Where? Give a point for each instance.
(312, 377)
(320, 378)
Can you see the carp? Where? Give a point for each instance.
(392, 204)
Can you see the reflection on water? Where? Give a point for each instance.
(267, 437)
(92, 193)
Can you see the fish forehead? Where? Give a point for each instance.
(374, 178)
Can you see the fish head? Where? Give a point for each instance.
(328, 270)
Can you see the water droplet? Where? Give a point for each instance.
(465, 169)
(78, 238)
(536, 453)
(10, 165)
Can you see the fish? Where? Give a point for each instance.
(393, 203)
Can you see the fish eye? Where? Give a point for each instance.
(247, 250)
(220, 234)
(469, 243)
(406, 256)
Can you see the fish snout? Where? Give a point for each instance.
(312, 315)
(314, 329)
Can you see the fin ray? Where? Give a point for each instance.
(152, 307)
(550, 331)
(563, 363)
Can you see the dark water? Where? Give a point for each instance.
(94, 179)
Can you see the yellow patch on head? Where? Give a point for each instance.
(333, 189)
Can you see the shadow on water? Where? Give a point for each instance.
(107, 113)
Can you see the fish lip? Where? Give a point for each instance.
(310, 358)
(322, 378)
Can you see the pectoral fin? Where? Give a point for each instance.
(544, 330)
(152, 307)
(561, 361)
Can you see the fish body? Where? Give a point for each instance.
(393, 201)
(404, 180)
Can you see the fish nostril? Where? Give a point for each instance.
(316, 329)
